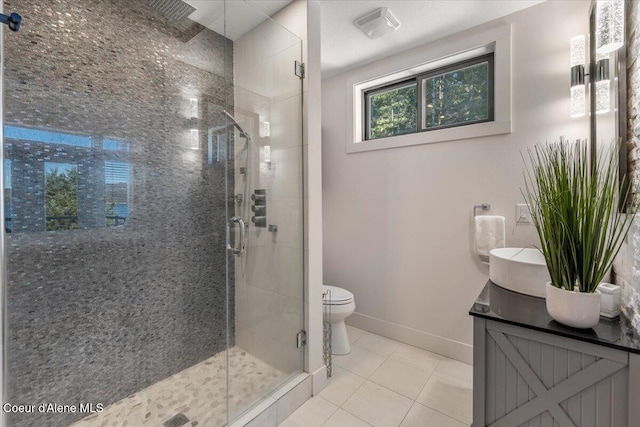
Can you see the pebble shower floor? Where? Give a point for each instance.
(193, 397)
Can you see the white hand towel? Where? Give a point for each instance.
(489, 234)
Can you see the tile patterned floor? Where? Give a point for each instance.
(384, 383)
(198, 392)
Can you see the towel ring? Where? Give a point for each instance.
(484, 207)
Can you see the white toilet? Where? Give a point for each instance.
(340, 304)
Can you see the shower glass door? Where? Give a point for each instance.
(117, 292)
(267, 281)
(135, 134)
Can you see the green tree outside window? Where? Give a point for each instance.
(456, 95)
(393, 112)
(61, 196)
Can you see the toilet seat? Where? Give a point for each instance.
(338, 296)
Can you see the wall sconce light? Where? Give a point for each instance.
(195, 141)
(603, 84)
(193, 104)
(578, 88)
(609, 25)
(267, 153)
(265, 130)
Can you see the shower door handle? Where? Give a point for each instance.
(240, 248)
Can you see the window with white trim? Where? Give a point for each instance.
(457, 94)
(451, 89)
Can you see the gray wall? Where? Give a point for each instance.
(100, 312)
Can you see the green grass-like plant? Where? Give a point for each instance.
(574, 209)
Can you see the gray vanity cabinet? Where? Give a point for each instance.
(532, 376)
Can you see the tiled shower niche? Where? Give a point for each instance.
(116, 181)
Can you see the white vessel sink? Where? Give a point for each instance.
(519, 270)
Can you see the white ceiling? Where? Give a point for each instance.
(344, 47)
(241, 15)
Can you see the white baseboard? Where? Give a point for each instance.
(433, 343)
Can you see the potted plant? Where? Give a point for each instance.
(574, 209)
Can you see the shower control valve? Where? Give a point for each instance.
(259, 221)
(259, 199)
(259, 208)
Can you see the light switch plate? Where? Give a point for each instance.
(523, 214)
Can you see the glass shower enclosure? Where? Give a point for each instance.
(153, 207)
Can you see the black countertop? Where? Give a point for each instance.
(502, 305)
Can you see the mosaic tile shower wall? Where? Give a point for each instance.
(116, 189)
(627, 264)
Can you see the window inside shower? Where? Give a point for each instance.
(60, 196)
(133, 143)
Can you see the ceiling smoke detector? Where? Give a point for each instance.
(377, 23)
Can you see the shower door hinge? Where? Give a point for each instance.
(299, 69)
(301, 339)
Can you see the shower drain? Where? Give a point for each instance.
(177, 420)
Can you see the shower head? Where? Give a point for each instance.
(237, 125)
(174, 10)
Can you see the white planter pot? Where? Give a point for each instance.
(576, 309)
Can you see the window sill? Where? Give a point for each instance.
(442, 135)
